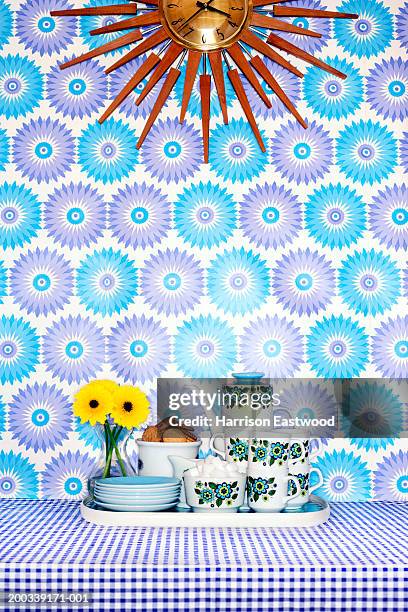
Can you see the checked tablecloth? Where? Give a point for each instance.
(356, 561)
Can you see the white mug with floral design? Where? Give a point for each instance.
(302, 473)
(301, 451)
(269, 454)
(269, 492)
(231, 449)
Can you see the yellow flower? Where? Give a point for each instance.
(94, 401)
(130, 407)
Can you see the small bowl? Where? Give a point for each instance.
(215, 494)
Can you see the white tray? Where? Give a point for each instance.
(315, 512)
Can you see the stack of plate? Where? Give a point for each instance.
(137, 493)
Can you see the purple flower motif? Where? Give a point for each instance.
(74, 349)
(270, 215)
(41, 282)
(391, 478)
(66, 476)
(304, 282)
(139, 215)
(77, 91)
(289, 83)
(75, 215)
(272, 345)
(38, 31)
(308, 43)
(120, 78)
(390, 348)
(43, 150)
(40, 417)
(389, 217)
(139, 349)
(172, 151)
(402, 25)
(404, 151)
(172, 282)
(387, 88)
(302, 155)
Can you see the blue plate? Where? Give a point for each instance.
(120, 499)
(135, 481)
(153, 493)
(137, 508)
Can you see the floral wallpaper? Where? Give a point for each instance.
(131, 265)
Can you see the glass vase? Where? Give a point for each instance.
(115, 459)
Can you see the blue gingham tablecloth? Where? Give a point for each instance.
(356, 561)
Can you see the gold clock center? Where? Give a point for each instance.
(205, 25)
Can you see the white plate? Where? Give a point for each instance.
(138, 508)
(318, 513)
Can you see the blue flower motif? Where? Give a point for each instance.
(19, 215)
(303, 282)
(43, 150)
(172, 282)
(205, 347)
(38, 31)
(234, 153)
(194, 105)
(87, 434)
(6, 23)
(375, 411)
(66, 476)
(335, 216)
(390, 348)
(387, 88)
(139, 215)
(272, 345)
(368, 35)
(40, 417)
(74, 349)
(205, 215)
(391, 478)
(139, 349)
(389, 217)
(367, 152)
(302, 155)
(290, 84)
(21, 86)
(75, 215)
(330, 96)
(92, 22)
(4, 149)
(19, 349)
(108, 152)
(78, 91)
(402, 25)
(337, 348)
(106, 282)
(369, 282)
(270, 215)
(41, 282)
(18, 477)
(2, 417)
(345, 477)
(238, 281)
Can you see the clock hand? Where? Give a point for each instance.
(204, 5)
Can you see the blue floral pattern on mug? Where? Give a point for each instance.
(238, 449)
(269, 453)
(216, 494)
(260, 488)
(303, 482)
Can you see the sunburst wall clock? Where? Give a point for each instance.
(213, 34)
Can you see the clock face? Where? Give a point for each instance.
(205, 25)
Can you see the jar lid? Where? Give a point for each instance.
(248, 375)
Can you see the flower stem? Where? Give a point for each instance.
(115, 446)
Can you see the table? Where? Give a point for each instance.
(356, 561)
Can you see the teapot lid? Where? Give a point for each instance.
(248, 375)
